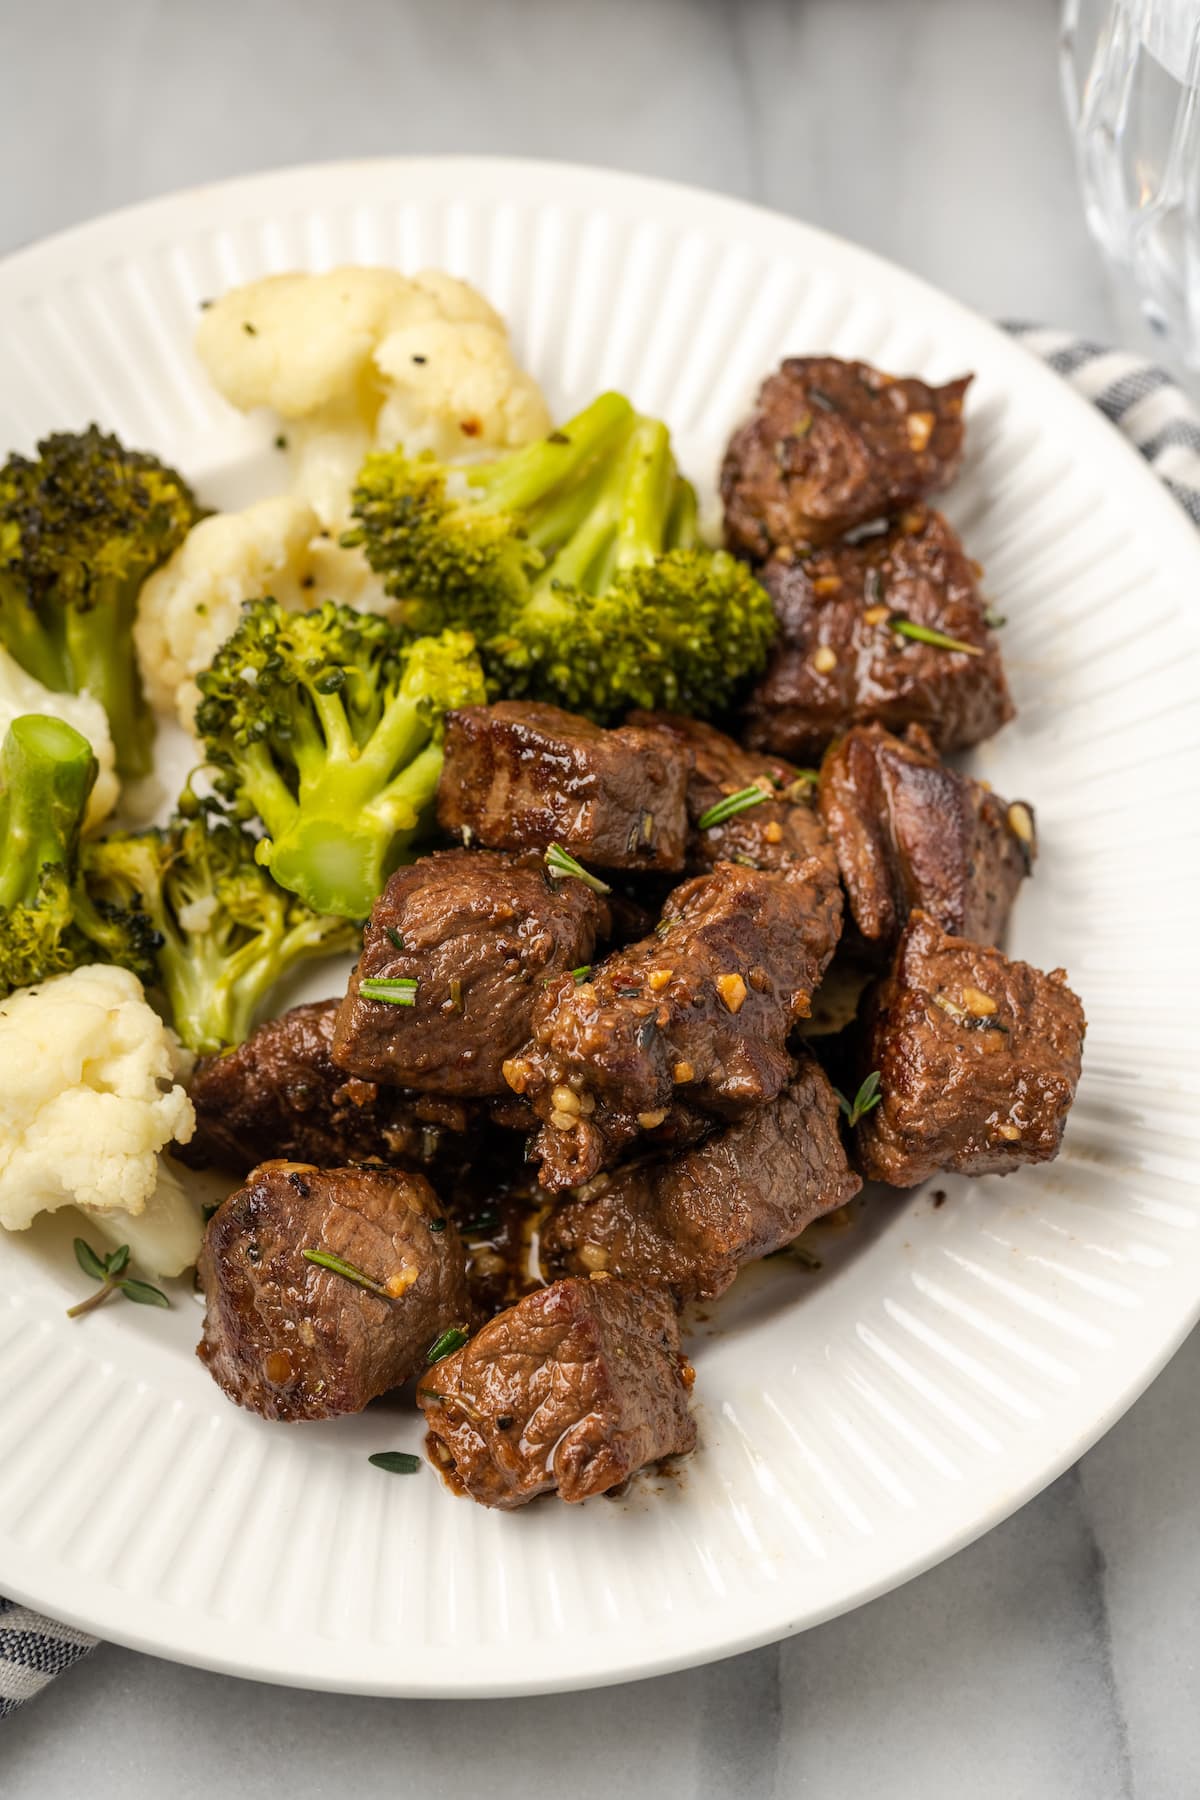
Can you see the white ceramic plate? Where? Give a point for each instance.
(856, 1424)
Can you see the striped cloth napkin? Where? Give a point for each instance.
(1159, 420)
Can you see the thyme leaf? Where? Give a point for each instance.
(868, 1096)
(394, 990)
(731, 805)
(396, 1462)
(925, 634)
(560, 864)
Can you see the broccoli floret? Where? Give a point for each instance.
(226, 933)
(48, 922)
(81, 527)
(327, 726)
(577, 564)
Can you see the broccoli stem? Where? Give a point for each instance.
(646, 494)
(518, 481)
(99, 647)
(683, 519)
(352, 825)
(624, 524)
(215, 996)
(40, 652)
(46, 774)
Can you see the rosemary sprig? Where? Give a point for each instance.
(447, 1344)
(396, 1462)
(925, 634)
(869, 1095)
(731, 805)
(396, 990)
(110, 1272)
(560, 864)
(337, 1265)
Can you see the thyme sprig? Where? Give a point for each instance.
(868, 1096)
(395, 990)
(560, 863)
(109, 1271)
(731, 805)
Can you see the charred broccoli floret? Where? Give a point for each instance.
(48, 922)
(81, 527)
(225, 932)
(327, 726)
(577, 564)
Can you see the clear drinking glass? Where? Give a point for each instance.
(1131, 76)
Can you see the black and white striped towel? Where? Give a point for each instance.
(1160, 421)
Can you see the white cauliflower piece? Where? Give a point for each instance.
(188, 608)
(165, 1238)
(20, 694)
(364, 358)
(450, 388)
(89, 1099)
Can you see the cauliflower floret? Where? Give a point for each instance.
(20, 694)
(89, 1099)
(188, 608)
(344, 358)
(448, 390)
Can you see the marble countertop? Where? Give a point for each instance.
(1058, 1658)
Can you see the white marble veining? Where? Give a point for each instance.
(1059, 1658)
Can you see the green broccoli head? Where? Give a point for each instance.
(226, 932)
(458, 547)
(577, 564)
(81, 527)
(327, 727)
(48, 924)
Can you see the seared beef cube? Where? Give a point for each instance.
(978, 1060)
(573, 1388)
(465, 940)
(521, 776)
(684, 1027)
(773, 833)
(280, 1094)
(293, 1340)
(832, 444)
(909, 832)
(842, 657)
(688, 1223)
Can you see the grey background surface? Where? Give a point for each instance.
(1060, 1656)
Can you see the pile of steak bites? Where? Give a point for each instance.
(577, 1080)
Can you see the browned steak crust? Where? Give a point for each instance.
(831, 444)
(292, 1340)
(840, 658)
(910, 832)
(480, 932)
(571, 1390)
(521, 776)
(978, 1059)
(688, 1223)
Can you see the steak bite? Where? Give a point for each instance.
(463, 942)
(832, 444)
(842, 656)
(572, 1389)
(777, 832)
(293, 1340)
(978, 1059)
(686, 1026)
(688, 1223)
(280, 1094)
(521, 776)
(909, 832)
